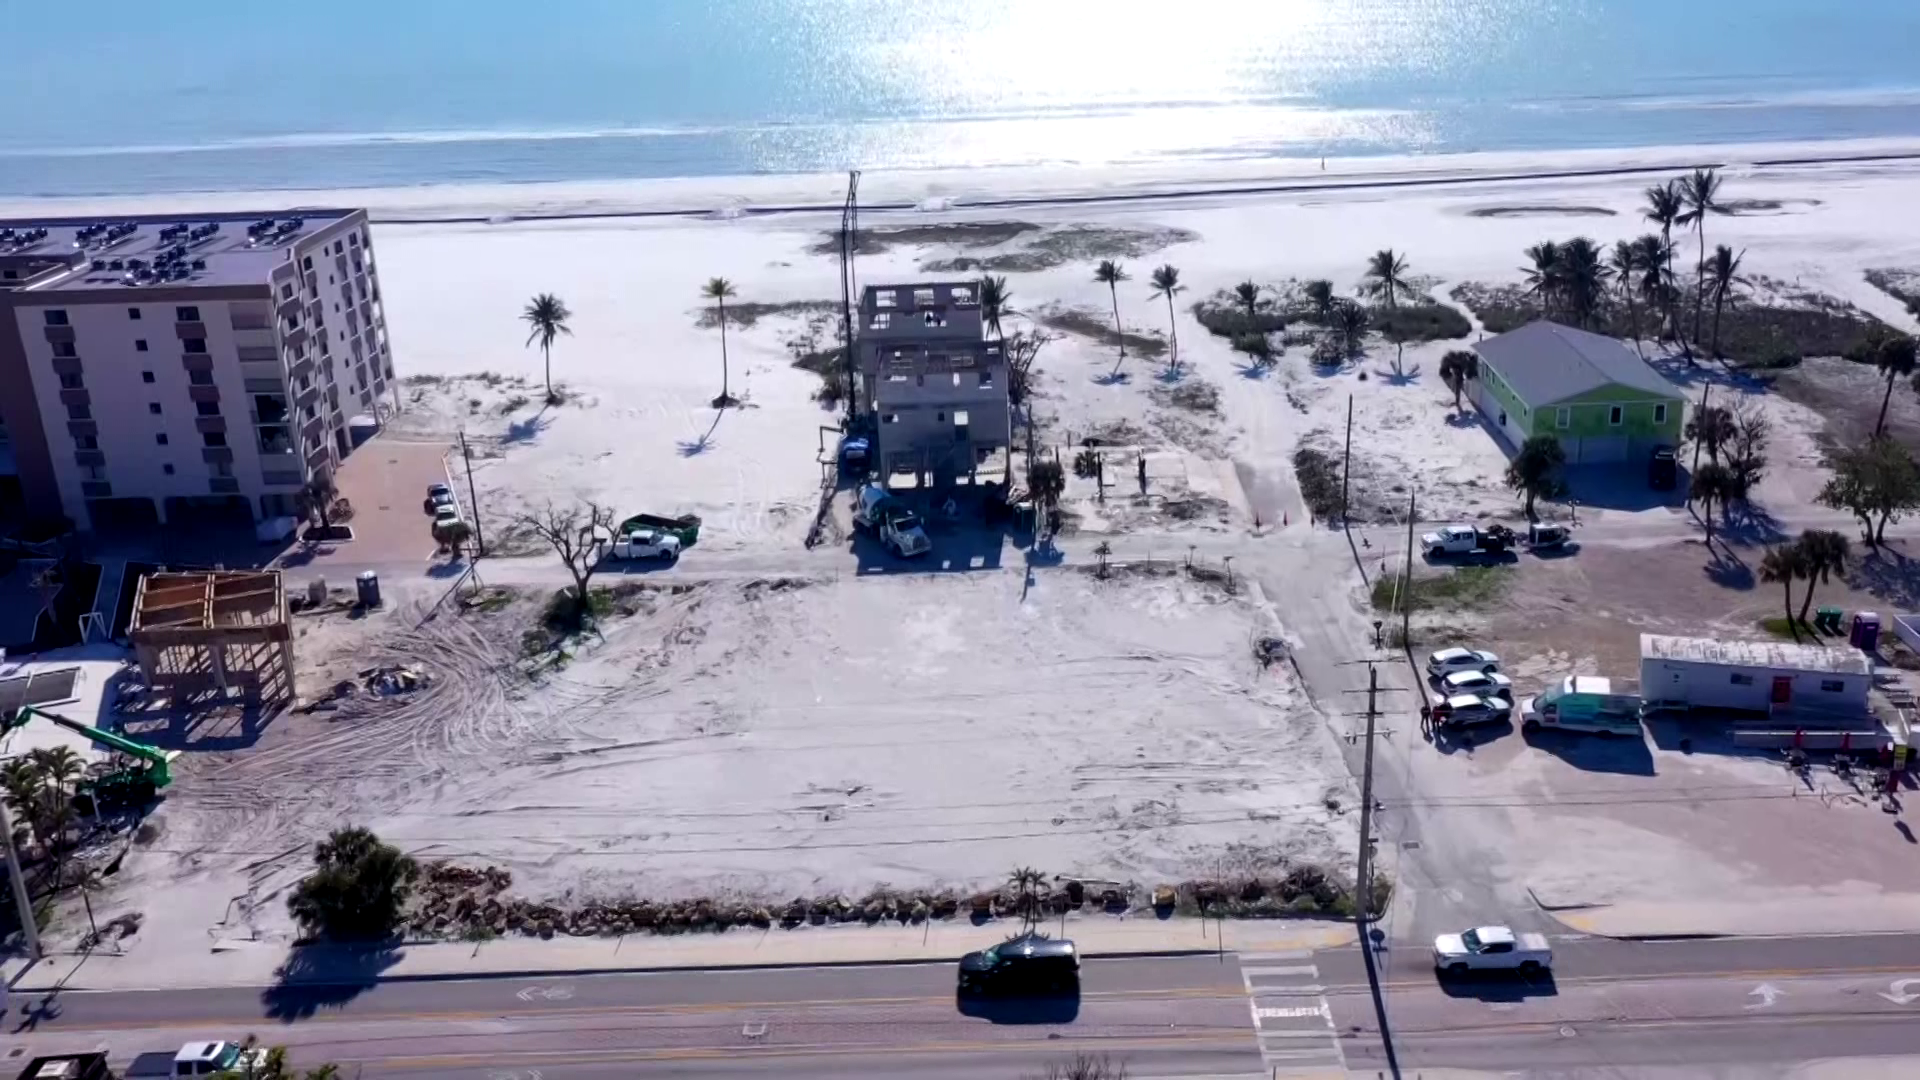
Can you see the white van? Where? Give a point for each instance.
(1582, 703)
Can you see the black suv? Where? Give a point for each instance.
(1025, 965)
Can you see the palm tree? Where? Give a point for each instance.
(1701, 192)
(1656, 274)
(1249, 294)
(59, 768)
(1623, 262)
(1780, 566)
(1320, 294)
(21, 781)
(1712, 482)
(994, 303)
(1026, 881)
(1583, 279)
(720, 290)
(1723, 277)
(1111, 274)
(1825, 553)
(1894, 356)
(547, 315)
(1386, 276)
(1350, 322)
(1545, 276)
(1456, 368)
(1166, 282)
(1664, 206)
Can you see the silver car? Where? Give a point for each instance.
(1484, 683)
(1447, 661)
(1466, 710)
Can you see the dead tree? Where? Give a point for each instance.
(573, 532)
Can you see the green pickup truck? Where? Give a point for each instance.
(685, 528)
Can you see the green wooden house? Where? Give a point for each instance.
(1601, 401)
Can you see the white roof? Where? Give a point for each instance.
(1773, 655)
(1493, 935)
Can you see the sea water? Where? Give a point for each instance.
(127, 96)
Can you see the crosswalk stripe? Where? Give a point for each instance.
(1290, 969)
(1265, 957)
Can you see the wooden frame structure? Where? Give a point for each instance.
(212, 634)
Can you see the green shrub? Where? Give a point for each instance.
(1319, 478)
(1421, 322)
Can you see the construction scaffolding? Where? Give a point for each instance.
(214, 635)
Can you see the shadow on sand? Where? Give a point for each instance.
(1626, 755)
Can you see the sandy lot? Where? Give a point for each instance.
(783, 738)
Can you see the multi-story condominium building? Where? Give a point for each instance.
(184, 368)
(936, 385)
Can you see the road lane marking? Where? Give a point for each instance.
(576, 1056)
(1269, 1013)
(1767, 993)
(1900, 994)
(1288, 971)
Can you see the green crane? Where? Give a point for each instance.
(133, 785)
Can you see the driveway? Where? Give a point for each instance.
(386, 481)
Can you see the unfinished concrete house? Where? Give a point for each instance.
(936, 385)
(220, 635)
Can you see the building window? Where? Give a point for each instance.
(200, 378)
(86, 442)
(1614, 414)
(221, 469)
(186, 313)
(286, 290)
(146, 376)
(306, 263)
(56, 317)
(160, 439)
(1832, 686)
(79, 412)
(940, 417)
(353, 239)
(140, 345)
(64, 350)
(70, 382)
(1563, 418)
(890, 418)
(1660, 414)
(960, 418)
(1503, 418)
(986, 380)
(133, 313)
(153, 407)
(93, 472)
(166, 470)
(207, 408)
(881, 320)
(1740, 679)
(194, 345)
(883, 298)
(214, 438)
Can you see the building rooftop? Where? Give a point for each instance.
(69, 254)
(1545, 362)
(1775, 655)
(921, 311)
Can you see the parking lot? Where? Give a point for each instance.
(386, 480)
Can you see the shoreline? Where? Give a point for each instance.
(938, 191)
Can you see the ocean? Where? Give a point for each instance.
(132, 96)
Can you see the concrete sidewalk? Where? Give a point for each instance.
(1835, 914)
(250, 963)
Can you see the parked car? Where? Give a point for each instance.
(1445, 662)
(1663, 471)
(1467, 710)
(1491, 948)
(438, 495)
(904, 536)
(445, 515)
(1484, 683)
(647, 544)
(1026, 965)
(91, 1066)
(1547, 537)
(208, 1058)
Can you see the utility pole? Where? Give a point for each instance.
(1346, 462)
(22, 903)
(1363, 887)
(473, 496)
(1406, 582)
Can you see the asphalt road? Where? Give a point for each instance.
(1765, 1004)
(1167, 1017)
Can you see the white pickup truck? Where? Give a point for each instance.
(1491, 948)
(647, 544)
(1466, 540)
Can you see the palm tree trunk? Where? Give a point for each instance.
(1173, 332)
(1719, 302)
(1633, 322)
(1119, 336)
(1806, 601)
(1700, 278)
(1791, 625)
(1880, 428)
(546, 357)
(724, 398)
(1706, 518)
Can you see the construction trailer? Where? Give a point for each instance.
(216, 635)
(1811, 682)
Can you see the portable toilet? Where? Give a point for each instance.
(1866, 631)
(368, 586)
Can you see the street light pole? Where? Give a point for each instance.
(21, 901)
(473, 496)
